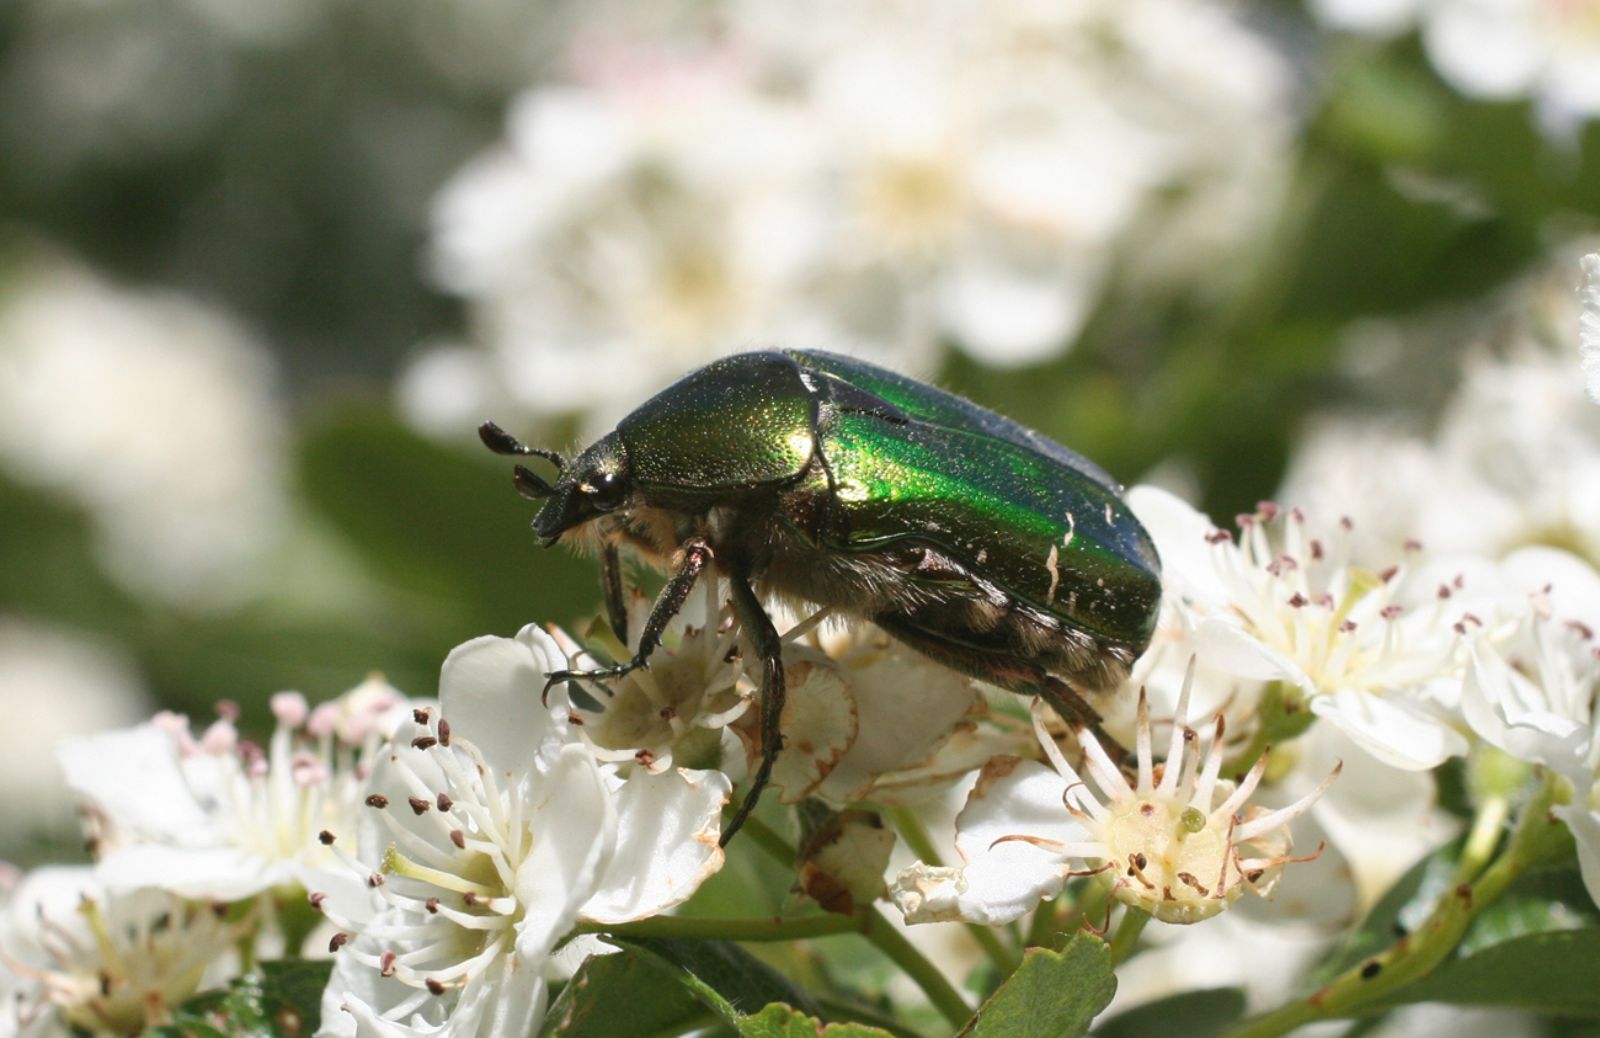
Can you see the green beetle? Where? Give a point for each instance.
(831, 481)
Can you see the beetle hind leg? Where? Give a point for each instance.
(1009, 671)
(769, 647)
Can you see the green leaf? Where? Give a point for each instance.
(1551, 973)
(1051, 995)
(781, 1021)
(1541, 901)
(282, 1000)
(237, 1011)
(1404, 907)
(443, 526)
(630, 992)
(294, 988)
(738, 978)
(1202, 1013)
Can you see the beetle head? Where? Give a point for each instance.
(594, 483)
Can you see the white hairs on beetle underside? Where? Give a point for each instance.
(1589, 324)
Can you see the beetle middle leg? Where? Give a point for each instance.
(696, 555)
(611, 584)
(769, 648)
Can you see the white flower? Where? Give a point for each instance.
(1182, 847)
(157, 414)
(682, 703)
(56, 684)
(1515, 461)
(860, 708)
(1535, 699)
(491, 832)
(104, 962)
(217, 817)
(1363, 648)
(1589, 325)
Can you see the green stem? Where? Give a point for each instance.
(1042, 928)
(915, 834)
(1482, 839)
(771, 841)
(876, 928)
(945, 998)
(1127, 936)
(1415, 955)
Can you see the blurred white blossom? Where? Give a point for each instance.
(1589, 324)
(81, 959)
(211, 815)
(879, 178)
(55, 684)
(491, 831)
(1545, 50)
(1514, 461)
(158, 415)
(1285, 603)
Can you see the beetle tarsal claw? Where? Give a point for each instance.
(556, 677)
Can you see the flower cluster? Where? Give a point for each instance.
(880, 178)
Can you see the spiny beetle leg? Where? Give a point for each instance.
(769, 647)
(556, 677)
(696, 554)
(1076, 712)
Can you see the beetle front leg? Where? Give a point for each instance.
(696, 554)
(611, 584)
(769, 647)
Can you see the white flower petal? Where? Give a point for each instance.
(1225, 647)
(489, 691)
(1003, 878)
(134, 777)
(1181, 536)
(1484, 48)
(574, 830)
(206, 873)
(906, 707)
(820, 723)
(508, 1005)
(667, 831)
(1394, 731)
(1585, 825)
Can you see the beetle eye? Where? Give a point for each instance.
(607, 489)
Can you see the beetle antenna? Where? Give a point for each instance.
(531, 484)
(502, 442)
